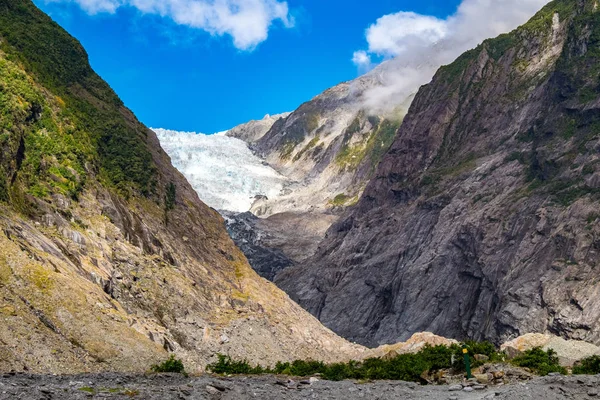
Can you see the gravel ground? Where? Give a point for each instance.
(155, 387)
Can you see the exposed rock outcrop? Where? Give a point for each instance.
(481, 220)
(252, 131)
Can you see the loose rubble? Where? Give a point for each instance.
(268, 387)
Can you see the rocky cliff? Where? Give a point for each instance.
(482, 219)
(108, 259)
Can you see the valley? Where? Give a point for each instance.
(433, 214)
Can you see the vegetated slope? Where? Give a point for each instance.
(108, 259)
(329, 146)
(482, 218)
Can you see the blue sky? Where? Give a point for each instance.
(183, 78)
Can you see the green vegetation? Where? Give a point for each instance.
(170, 365)
(343, 199)
(406, 367)
(436, 175)
(452, 73)
(372, 147)
(58, 119)
(539, 361)
(170, 196)
(500, 45)
(308, 147)
(587, 366)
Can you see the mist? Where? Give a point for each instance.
(415, 46)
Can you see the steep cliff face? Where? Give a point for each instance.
(481, 220)
(108, 259)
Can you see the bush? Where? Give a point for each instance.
(406, 367)
(587, 366)
(225, 365)
(170, 365)
(539, 361)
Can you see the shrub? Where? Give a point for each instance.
(539, 361)
(588, 366)
(170, 365)
(225, 365)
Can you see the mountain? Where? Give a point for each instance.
(328, 150)
(252, 131)
(108, 259)
(481, 220)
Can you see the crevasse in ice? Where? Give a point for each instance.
(223, 171)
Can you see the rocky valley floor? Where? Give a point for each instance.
(115, 386)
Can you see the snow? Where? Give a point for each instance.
(223, 171)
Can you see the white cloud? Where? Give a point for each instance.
(361, 59)
(415, 46)
(246, 21)
(393, 34)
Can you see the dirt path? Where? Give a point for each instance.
(118, 386)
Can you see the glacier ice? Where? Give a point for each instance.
(223, 170)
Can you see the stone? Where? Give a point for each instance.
(468, 389)
(592, 393)
(313, 380)
(482, 378)
(479, 387)
(481, 357)
(454, 388)
(212, 390)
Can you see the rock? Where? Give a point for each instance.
(415, 343)
(479, 387)
(224, 339)
(481, 357)
(498, 374)
(212, 390)
(482, 378)
(592, 393)
(454, 388)
(468, 389)
(313, 380)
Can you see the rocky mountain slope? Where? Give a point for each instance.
(252, 131)
(481, 220)
(108, 259)
(328, 149)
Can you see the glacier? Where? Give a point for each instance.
(223, 170)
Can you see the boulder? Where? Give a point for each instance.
(568, 351)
